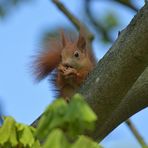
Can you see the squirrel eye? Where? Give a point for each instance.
(76, 54)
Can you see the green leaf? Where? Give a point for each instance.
(79, 116)
(72, 118)
(85, 142)
(60, 109)
(56, 139)
(20, 126)
(83, 110)
(13, 136)
(8, 132)
(27, 138)
(52, 118)
(26, 134)
(36, 144)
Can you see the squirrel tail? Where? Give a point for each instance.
(47, 60)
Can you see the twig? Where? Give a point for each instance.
(135, 132)
(98, 26)
(73, 19)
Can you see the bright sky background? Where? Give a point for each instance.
(20, 34)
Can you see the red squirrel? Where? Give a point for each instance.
(72, 61)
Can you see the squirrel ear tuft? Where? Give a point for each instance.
(63, 39)
(81, 44)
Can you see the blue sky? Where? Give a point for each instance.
(20, 35)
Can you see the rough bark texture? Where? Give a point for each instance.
(136, 98)
(115, 74)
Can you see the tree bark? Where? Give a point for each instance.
(118, 70)
(135, 100)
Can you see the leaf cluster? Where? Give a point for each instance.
(17, 135)
(61, 126)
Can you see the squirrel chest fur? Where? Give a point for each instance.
(71, 60)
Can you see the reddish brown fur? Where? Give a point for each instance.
(48, 59)
(72, 60)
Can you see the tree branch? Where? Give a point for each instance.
(135, 132)
(135, 100)
(98, 26)
(100, 29)
(78, 25)
(115, 74)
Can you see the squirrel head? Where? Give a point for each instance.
(74, 54)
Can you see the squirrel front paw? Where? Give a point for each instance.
(67, 71)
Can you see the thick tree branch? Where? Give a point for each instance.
(115, 74)
(100, 29)
(135, 100)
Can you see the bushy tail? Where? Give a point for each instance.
(46, 61)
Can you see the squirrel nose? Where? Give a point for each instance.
(67, 65)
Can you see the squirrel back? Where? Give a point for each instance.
(72, 61)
